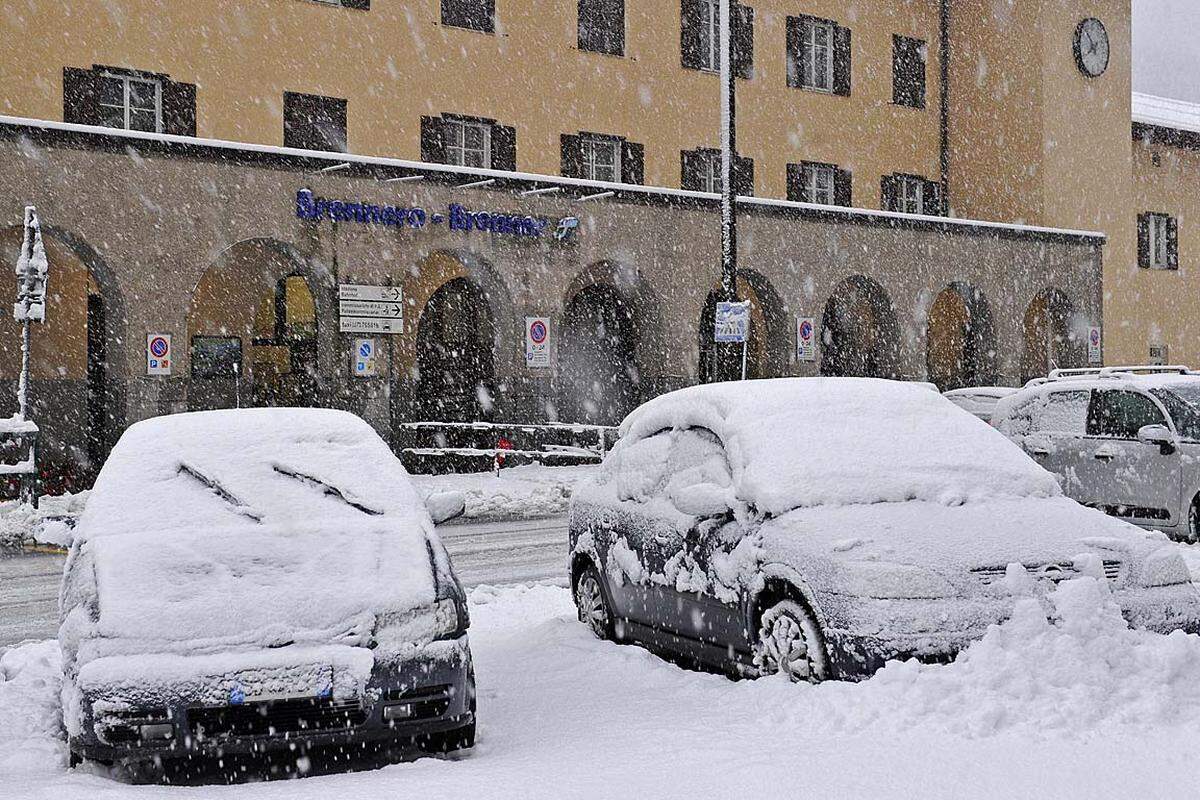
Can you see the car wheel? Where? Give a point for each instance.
(790, 643)
(592, 603)
(1193, 529)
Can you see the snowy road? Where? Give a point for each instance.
(483, 552)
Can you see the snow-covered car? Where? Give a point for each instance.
(979, 400)
(820, 527)
(1125, 440)
(248, 580)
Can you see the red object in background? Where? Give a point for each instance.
(503, 444)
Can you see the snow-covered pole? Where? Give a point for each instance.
(32, 269)
(728, 152)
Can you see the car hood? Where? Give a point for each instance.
(953, 540)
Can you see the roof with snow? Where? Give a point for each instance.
(1165, 112)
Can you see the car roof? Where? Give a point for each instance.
(1146, 377)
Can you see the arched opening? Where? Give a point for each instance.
(766, 350)
(455, 364)
(599, 379)
(283, 352)
(960, 346)
(859, 333)
(1052, 337)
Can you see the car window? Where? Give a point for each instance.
(696, 457)
(1183, 404)
(1062, 412)
(670, 460)
(639, 468)
(1120, 414)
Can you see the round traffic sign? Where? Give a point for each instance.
(537, 332)
(806, 331)
(159, 347)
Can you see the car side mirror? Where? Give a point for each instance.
(1158, 435)
(445, 506)
(703, 500)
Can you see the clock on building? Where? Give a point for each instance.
(1091, 47)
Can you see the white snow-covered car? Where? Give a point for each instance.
(979, 400)
(820, 527)
(259, 579)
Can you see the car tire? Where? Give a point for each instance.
(592, 604)
(1192, 535)
(790, 643)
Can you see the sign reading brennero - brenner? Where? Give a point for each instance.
(370, 309)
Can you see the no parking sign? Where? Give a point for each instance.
(537, 342)
(365, 353)
(806, 339)
(158, 354)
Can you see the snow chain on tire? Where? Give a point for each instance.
(789, 642)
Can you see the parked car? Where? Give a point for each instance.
(979, 400)
(822, 526)
(1125, 440)
(256, 580)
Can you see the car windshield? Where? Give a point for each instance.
(1183, 404)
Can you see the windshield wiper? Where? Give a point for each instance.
(326, 489)
(220, 491)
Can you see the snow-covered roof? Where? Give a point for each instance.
(589, 187)
(796, 442)
(1165, 112)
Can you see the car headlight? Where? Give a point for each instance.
(1164, 567)
(884, 581)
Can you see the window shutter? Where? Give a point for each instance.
(504, 148)
(931, 198)
(795, 40)
(887, 193)
(689, 34)
(842, 188)
(81, 96)
(572, 156)
(179, 108)
(633, 163)
(795, 182)
(743, 41)
(841, 62)
(433, 144)
(360, 4)
(743, 176)
(689, 170)
(1143, 228)
(1172, 242)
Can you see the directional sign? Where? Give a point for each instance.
(354, 291)
(370, 325)
(370, 308)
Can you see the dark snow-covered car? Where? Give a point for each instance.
(260, 579)
(821, 527)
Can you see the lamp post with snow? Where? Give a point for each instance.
(32, 274)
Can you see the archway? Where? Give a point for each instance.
(767, 348)
(455, 365)
(599, 380)
(283, 352)
(1052, 337)
(859, 333)
(960, 345)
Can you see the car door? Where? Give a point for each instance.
(1127, 478)
(1057, 428)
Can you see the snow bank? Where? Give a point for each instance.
(526, 492)
(795, 442)
(51, 523)
(31, 738)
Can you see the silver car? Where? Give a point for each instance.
(1125, 440)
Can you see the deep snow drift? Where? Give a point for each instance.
(1070, 704)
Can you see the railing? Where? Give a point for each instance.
(441, 447)
(18, 458)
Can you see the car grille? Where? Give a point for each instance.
(1054, 572)
(428, 702)
(273, 717)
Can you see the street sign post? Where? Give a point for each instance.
(158, 354)
(1094, 345)
(806, 339)
(370, 309)
(537, 342)
(732, 325)
(365, 352)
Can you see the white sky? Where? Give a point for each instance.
(1166, 48)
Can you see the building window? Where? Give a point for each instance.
(700, 171)
(134, 104)
(475, 15)
(602, 26)
(1158, 241)
(908, 71)
(360, 4)
(468, 142)
(601, 157)
(818, 55)
(822, 184)
(312, 122)
(700, 36)
(911, 194)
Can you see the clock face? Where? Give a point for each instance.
(1091, 48)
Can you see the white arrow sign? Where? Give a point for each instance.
(354, 291)
(370, 325)
(370, 308)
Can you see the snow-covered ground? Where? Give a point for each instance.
(1078, 707)
(526, 492)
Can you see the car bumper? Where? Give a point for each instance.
(935, 631)
(439, 691)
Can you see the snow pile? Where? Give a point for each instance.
(51, 523)
(796, 442)
(31, 738)
(525, 492)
